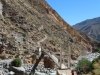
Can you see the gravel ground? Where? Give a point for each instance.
(89, 56)
(40, 70)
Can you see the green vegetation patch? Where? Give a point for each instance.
(26, 51)
(85, 65)
(52, 42)
(16, 62)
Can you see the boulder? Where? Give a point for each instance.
(17, 70)
(1, 73)
(11, 73)
(48, 63)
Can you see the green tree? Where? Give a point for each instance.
(85, 65)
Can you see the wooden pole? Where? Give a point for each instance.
(69, 56)
(60, 57)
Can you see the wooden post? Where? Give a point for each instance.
(60, 58)
(40, 51)
(69, 56)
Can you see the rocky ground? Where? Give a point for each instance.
(4, 68)
(25, 25)
(89, 56)
(40, 70)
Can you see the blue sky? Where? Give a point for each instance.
(75, 11)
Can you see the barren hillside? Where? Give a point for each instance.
(28, 24)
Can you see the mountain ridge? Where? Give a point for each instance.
(90, 27)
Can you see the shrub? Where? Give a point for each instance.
(52, 42)
(98, 45)
(11, 44)
(24, 34)
(96, 71)
(96, 66)
(47, 31)
(26, 51)
(85, 65)
(96, 59)
(16, 62)
(17, 56)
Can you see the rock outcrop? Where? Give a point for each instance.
(48, 63)
(17, 70)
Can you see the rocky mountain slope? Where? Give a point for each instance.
(26, 25)
(90, 27)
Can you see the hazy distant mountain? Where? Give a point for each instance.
(90, 27)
